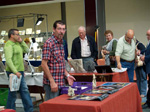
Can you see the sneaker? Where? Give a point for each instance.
(145, 106)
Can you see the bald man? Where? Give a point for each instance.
(125, 53)
(84, 46)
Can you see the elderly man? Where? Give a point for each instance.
(125, 53)
(146, 59)
(83, 46)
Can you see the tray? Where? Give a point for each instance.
(79, 87)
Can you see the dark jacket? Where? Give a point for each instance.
(76, 48)
(147, 58)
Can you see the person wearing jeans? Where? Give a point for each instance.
(24, 93)
(14, 49)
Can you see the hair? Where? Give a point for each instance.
(58, 22)
(108, 31)
(11, 32)
(81, 27)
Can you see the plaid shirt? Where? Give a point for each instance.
(53, 51)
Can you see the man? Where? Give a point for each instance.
(125, 53)
(53, 62)
(14, 49)
(146, 59)
(83, 46)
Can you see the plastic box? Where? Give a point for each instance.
(3, 96)
(79, 87)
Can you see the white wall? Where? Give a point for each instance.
(122, 15)
(74, 17)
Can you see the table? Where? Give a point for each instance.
(125, 100)
(34, 82)
(114, 77)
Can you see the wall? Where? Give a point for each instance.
(128, 14)
(74, 16)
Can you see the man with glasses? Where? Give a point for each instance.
(53, 62)
(146, 59)
(126, 53)
(14, 49)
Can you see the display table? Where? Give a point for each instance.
(125, 100)
(113, 77)
(34, 82)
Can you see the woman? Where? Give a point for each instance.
(110, 48)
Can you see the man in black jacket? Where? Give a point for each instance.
(83, 46)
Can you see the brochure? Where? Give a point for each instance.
(14, 82)
(89, 98)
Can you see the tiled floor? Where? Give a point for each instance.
(143, 101)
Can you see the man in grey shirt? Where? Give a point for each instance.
(126, 52)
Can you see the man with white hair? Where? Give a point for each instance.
(84, 46)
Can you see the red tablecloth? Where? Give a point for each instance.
(125, 100)
(116, 77)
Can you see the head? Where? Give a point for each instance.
(82, 32)
(59, 29)
(129, 35)
(148, 34)
(13, 34)
(26, 40)
(109, 35)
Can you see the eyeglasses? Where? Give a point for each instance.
(147, 34)
(16, 34)
(63, 29)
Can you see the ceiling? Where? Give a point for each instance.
(14, 3)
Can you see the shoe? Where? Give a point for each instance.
(145, 106)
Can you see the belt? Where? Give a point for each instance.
(126, 60)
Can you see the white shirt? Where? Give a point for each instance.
(85, 48)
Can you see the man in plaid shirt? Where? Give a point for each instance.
(53, 62)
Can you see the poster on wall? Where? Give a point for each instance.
(29, 31)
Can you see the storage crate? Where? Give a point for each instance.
(79, 87)
(3, 96)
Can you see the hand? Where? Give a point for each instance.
(20, 39)
(18, 74)
(138, 52)
(70, 80)
(142, 58)
(119, 66)
(105, 52)
(54, 86)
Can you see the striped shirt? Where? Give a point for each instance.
(53, 51)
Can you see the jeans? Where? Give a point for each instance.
(141, 80)
(148, 93)
(25, 96)
(48, 93)
(130, 69)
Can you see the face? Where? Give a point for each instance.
(109, 37)
(16, 37)
(129, 37)
(81, 33)
(59, 31)
(148, 35)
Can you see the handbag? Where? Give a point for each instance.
(112, 59)
(140, 62)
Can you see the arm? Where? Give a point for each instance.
(24, 47)
(118, 62)
(53, 85)
(112, 53)
(70, 78)
(73, 51)
(8, 56)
